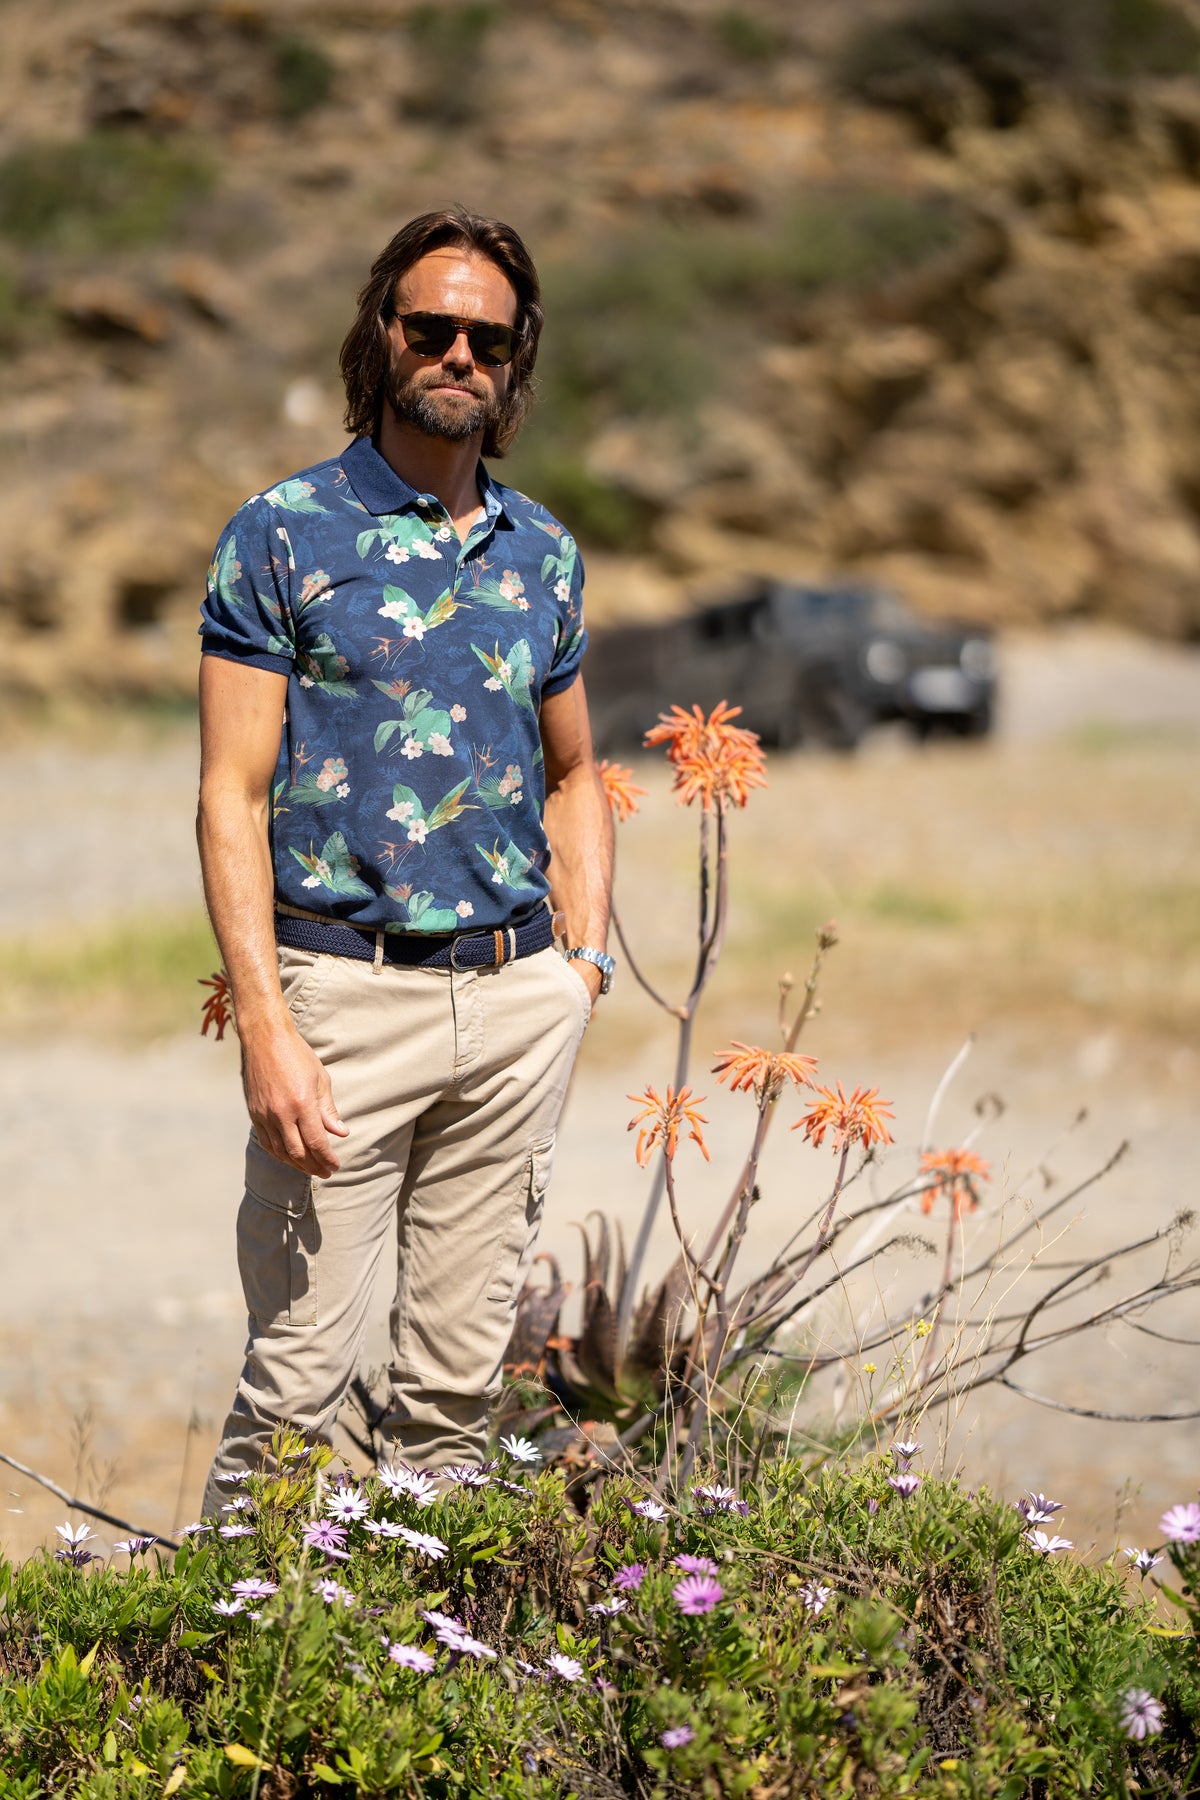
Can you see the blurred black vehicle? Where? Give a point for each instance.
(806, 664)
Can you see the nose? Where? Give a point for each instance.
(458, 355)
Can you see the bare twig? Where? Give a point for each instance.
(73, 1502)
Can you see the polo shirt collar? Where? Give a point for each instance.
(381, 490)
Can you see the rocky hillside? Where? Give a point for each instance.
(904, 287)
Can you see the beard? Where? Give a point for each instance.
(440, 415)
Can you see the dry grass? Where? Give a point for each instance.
(1053, 889)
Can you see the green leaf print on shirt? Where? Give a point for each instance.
(424, 726)
(413, 622)
(321, 786)
(225, 572)
(403, 538)
(423, 915)
(512, 672)
(407, 810)
(294, 496)
(509, 866)
(322, 667)
(333, 869)
(507, 594)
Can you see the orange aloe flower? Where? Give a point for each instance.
(621, 789)
(669, 1115)
(218, 1008)
(857, 1119)
(746, 1066)
(713, 760)
(957, 1173)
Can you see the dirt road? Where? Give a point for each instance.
(122, 1322)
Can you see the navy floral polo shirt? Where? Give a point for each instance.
(410, 786)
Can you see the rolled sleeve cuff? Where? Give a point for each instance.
(256, 659)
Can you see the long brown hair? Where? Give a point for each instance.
(366, 350)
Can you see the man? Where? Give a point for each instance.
(389, 698)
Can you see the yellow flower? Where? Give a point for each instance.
(868, 1368)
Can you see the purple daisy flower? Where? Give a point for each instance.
(254, 1587)
(468, 1476)
(630, 1577)
(197, 1528)
(1141, 1714)
(324, 1535)
(409, 1656)
(347, 1505)
(239, 1503)
(384, 1528)
(1143, 1561)
(647, 1509)
(1045, 1544)
(905, 1483)
(814, 1597)
(1181, 1523)
(432, 1547)
(905, 1451)
(697, 1594)
(872, 1506)
(227, 1608)
(521, 1449)
(333, 1593)
(236, 1531)
(232, 1477)
(608, 1609)
(1037, 1509)
(676, 1736)
(719, 1499)
(565, 1667)
(135, 1546)
(695, 1565)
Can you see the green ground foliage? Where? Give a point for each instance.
(857, 1641)
(105, 191)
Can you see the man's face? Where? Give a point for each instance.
(449, 396)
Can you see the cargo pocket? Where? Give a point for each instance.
(277, 1240)
(514, 1249)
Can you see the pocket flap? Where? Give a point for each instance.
(276, 1184)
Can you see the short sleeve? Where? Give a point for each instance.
(246, 616)
(572, 635)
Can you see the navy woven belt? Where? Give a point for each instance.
(473, 950)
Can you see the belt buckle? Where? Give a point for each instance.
(460, 968)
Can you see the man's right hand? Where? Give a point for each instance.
(290, 1101)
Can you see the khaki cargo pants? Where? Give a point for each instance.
(451, 1083)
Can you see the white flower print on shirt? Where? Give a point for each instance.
(491, 682)
(414, 628)
(393, 609)
(458, 714)
(504, 672)
(307, 681)
(562, 591)
(403, 810)
(441, 746)
(396, 553)
(418, 831)
(464, 909)
(342, 790)
(412, 749)
(430, 552)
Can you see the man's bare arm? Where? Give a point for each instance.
(578, 825)
(287, 1091)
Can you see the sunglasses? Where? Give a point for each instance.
(431, 334)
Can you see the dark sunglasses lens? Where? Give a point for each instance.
(492, 345)
(429, 334)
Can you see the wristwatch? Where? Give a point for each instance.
(599, 959)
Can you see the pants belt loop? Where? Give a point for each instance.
(512, 944)
(498, 939)
(377, 965)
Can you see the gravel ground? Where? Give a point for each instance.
(122, 1321)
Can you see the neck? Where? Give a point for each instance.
(433, 465)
